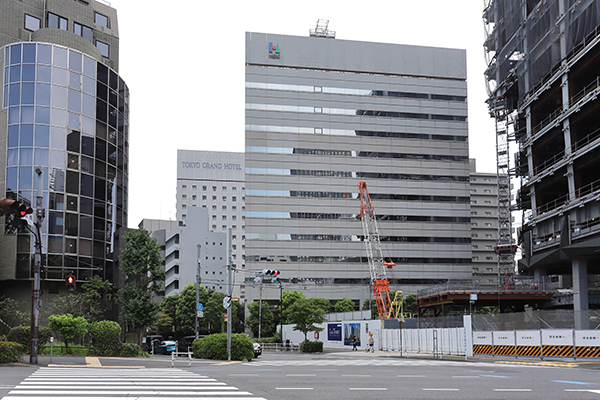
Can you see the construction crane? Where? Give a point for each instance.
(377, 265)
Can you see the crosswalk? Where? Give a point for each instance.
(52, 383)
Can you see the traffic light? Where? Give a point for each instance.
(70, 281)
(16, 209)
(274, 274)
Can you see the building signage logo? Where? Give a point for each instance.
(207, 165)
(274, 51)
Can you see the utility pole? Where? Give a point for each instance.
(281, 310)
(36, 301)
(198, 278)
(229, 316)
(260, 309)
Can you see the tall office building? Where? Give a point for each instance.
(65, 109)
(543, 81)
(323, 114)
(484, 225)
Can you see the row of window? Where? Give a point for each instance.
(353, 238)
(33, 23)
(214, 198)
(489, 224)
(214, 188)
(345, 259)
(352, 91)
(214, 207)
(382, 217)
(345, 111)
(224, 218)
(350, 174)
(344, 153)
(349, 195)
(348, 132)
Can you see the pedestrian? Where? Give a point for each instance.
(354, 343)
(371, 341)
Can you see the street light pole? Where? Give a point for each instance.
(36, 301)
(229, 316)
(198, 278)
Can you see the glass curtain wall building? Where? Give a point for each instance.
(323, 114)
(64, 108)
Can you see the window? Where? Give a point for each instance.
(475, 258)
(183, 206)
(487, 191)
(224, 217)
(176, 269)
(223, 227)
(224, 208)
(224, 198)
(176, 284)
(233, 208)
(194, 187)
(473, 212)
(474, 246)
(214, 208)
(233, 189)
(57, 22)
(488, 235)
(214, 217)
(214, 198)
(474, 235)
(233, 217)
(233, 198)
(489, 258)
(233, 237)
(488, 213)
(183, 197)
(101, 19)
(184, 186)
(183, 216)
(204, 187)
(83, 31)
(32, 23)
(488, 202)
(193, 197)
(488, 247)
(233, 227)
(214, 188)
(103, 47)
(224, 188)
(486, 179)
(473, 223)
(203, 197)
(214, 227)
(488, 224)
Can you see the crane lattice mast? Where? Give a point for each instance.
(377, 265)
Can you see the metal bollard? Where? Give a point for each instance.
(172, 359)
(190, 358)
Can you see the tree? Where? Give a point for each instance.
(163, 324)
(344, 305)
(267, 319)
(68, 327)
(410, 304)
(10, 314)
(369, 304)
(98, 298)
(140, 263)
(305, 314)
(289, 298)
(214, 312)
(185, 322)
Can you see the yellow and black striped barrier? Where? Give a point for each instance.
(536, 351)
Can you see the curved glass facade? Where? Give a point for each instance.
(67, 113)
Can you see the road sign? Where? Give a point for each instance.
(200, 307)
(226, 302)
(200, 314)
(316, 335)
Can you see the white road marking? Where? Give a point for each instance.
(121, 398)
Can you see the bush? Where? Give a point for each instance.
(22, 335)
(132, 350)
(11, 352)
(214, 347)
(311, 347)
(106, 339)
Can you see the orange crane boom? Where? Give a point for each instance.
(377, 264)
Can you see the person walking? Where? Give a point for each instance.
(354, 343)
(371, 341)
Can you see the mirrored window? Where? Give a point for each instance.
(32, 23)
(101, 19)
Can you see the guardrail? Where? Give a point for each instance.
(280, 347)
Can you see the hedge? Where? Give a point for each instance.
(11, 352)
(22, 335)
(311, 347)
(106, 339)
(214, 347)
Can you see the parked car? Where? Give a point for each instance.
(185, 343)
(152, 341)
(166, 347)
(257, 349)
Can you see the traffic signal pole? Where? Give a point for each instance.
(229, 316)
(36, 301)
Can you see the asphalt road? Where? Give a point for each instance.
(357, 375)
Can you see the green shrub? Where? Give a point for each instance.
(132, 350)
(311, 347)
(106, 339)
(214, 347)
(22, 335)
(11, 352)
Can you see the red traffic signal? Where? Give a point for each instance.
(70, 281)
(13, 207)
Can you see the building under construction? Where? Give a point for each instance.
(543, 80)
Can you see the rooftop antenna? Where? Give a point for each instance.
(321, 30)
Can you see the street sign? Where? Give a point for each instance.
(200, 307)
(226, 302)
(200, 314)
(316, 335)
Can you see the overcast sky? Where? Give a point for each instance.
(184, 65)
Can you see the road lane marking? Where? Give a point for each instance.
(496, 376)
(575, 382)
(583, 390)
